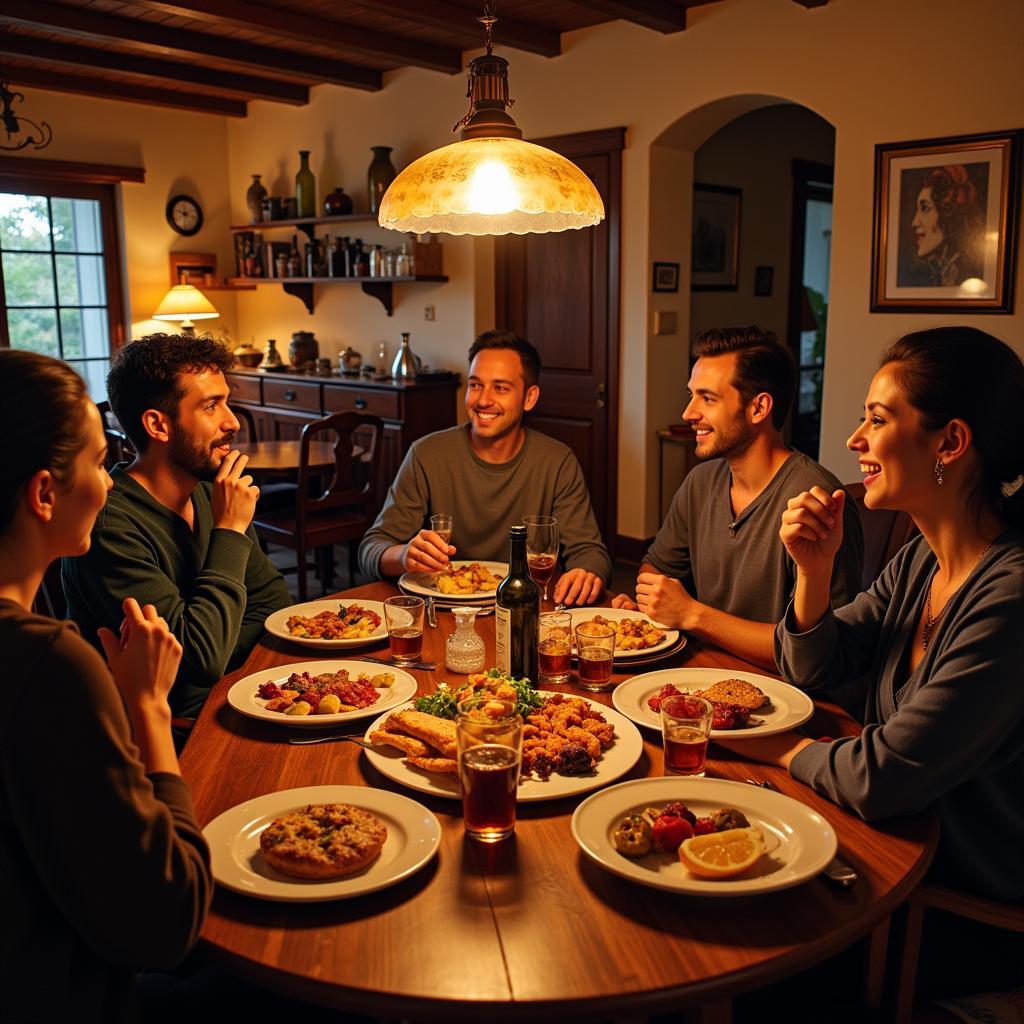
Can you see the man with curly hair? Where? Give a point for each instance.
(176, 531)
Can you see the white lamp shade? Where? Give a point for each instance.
(185, 302)
(491, 187)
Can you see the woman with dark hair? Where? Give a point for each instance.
(103, 868)
(936, 644)
(947, 226)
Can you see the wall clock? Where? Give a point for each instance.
(184, 214)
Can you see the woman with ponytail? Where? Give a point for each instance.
(937, 642)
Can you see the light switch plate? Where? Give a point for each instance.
(666, 321)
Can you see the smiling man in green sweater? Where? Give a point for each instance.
(176, 531)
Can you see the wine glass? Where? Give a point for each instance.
(541, 549)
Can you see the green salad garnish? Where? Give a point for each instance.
(442, 703)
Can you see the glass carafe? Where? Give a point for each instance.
(464, 649)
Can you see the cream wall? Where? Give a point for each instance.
(877, 70)
(181, 153)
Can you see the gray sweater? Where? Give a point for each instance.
(951, 733)
(442, 473)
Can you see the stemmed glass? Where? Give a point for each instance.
(541, 549)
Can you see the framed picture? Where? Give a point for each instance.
(666, 277)
(945, 225)
(197, 268)
(763, 280)
(716, 238)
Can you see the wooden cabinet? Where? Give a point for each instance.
(283, 403)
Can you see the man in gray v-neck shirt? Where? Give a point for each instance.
(717, 568)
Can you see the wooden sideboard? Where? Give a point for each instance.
(283, 403)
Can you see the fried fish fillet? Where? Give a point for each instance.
(438, 732)
(735, 691)
(407, 744)
(436, 765)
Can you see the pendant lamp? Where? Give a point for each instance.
(492, 182)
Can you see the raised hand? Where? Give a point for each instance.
(812, 529)
(234, 495)
(427, 552)
(143, 659)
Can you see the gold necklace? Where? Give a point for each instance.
(931, 621)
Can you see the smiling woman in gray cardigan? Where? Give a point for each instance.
(936, 645)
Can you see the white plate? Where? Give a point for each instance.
(614, 763)
(414, 835)
(798, 841)
(425, 583)
(242, 696)
(789, 707)
(276, 624)
(670, 638)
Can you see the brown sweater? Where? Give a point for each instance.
(103, 868)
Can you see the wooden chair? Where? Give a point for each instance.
(50, 600)
(247, 423)
(341, 513)
(1000, 915)
(885, 532)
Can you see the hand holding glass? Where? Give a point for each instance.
(489, 746)
(685, 727)
(541, 549)
(442, 524)
(404, 618)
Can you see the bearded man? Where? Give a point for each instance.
(176, 531)
(717, 569)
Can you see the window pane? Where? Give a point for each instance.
(28, 279)
(95, 376)
(76, 225)
(84, 333)
(809, 399)
(34, 329)
(80, 281)
(24, 222)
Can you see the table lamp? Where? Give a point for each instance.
(186, 303)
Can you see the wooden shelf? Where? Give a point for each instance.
(302, 287)
(308, 225)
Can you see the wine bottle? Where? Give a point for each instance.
(517, 609)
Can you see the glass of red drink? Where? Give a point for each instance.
(489, 744)
(685, 727)
(404, 618)
(554, 646)
(595, 649)
(541, 549)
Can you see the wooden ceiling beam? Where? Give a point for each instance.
(81, 85)
(158, 38)
(291, 24)
(661, 15)
(460, 22)
(811, 3)
(250, 86)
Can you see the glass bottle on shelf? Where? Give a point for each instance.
(336, 260)
(387, 263)
(403, 264)
(362, 260)
(464, 649)
(294, 259)
(374, 261)
(281, 264)
(305, 187)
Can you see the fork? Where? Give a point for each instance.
(306, 741)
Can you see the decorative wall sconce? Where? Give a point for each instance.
(19, 132)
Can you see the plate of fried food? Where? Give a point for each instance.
(746, 704)
(314, 694)
(460, 581)
(321, 843)
(571, 744)
(636, 636)
(329, 625)
(705, 837)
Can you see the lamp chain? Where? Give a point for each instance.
(488, 19)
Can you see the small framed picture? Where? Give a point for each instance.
(666, 277)
(763, 280)
(716, 238)
(945, 224)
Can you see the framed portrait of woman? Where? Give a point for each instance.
(945, 224)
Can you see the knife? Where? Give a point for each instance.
(836, 870)
(426, 666)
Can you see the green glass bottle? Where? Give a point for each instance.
(517, 611)
(305, 187)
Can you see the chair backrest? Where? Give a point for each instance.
(50, 599)
(885, 532)
(119, 447)
(354, 482)
(246, 422)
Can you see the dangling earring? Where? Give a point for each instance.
(940, 468)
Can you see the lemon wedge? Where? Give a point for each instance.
(722, 854)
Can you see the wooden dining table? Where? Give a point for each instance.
(273, 459)
(529, 928)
